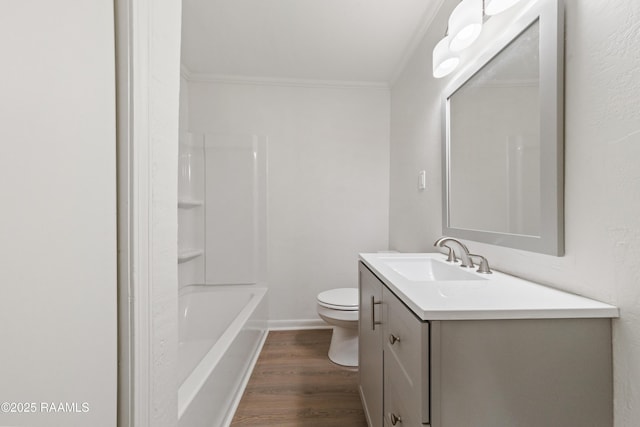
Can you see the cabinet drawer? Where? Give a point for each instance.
(406, 349)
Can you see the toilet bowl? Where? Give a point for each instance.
(339, 308)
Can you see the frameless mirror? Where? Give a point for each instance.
(503, 139)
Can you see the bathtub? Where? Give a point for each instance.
(221, 331)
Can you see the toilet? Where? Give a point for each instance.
(339, 308)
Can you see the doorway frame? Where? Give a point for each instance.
(147, 35)
(134, 323)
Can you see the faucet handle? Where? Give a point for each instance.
(452, 255)
(484, 264)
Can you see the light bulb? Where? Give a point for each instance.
(444, 61)
(465, 24)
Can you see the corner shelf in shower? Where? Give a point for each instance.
(189, 254)
(189, 203)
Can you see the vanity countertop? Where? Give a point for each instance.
(484, 296)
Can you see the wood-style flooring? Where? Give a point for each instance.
(295, 384)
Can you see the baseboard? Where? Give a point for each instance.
(295, 324)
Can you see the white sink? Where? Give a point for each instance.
(435, 289)
(421, 269)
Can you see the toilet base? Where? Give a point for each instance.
(344, 346)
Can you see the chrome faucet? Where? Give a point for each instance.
(466, 258)
(464, 255)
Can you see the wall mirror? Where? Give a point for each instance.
(503, 138)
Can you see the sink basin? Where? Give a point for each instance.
(429, 270)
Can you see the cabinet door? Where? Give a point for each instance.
(401, 407)
(406, 363)
(370, 346)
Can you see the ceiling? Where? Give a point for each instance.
(338, 40)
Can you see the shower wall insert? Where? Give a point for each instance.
(222, 272)
(222, 209)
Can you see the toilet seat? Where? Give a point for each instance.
(343, 299)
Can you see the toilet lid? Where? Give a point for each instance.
(339, 299)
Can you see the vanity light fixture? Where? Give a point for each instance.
(465, 25)
(444, 60)
(494, 7)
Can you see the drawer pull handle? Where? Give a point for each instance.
(393, 339)
(374, 322)
(395, 419)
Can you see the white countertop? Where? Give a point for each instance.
(489, 296)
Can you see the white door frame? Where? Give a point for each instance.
(134, 322)
(147, 32)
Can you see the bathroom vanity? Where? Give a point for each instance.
(445, 346)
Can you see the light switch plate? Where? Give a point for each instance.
(422, 180)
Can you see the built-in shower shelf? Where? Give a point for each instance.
(189, 203)
(189, 254)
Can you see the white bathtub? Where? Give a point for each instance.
(221, 331)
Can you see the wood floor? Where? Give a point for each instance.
(295, 384)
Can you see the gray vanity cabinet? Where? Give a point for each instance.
(552, 372)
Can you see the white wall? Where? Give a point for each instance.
(602, 191)
(328, 151)
(58, 216)
(414, 215)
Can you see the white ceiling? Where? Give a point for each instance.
(343, 40)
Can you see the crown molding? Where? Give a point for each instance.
(275, 81)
